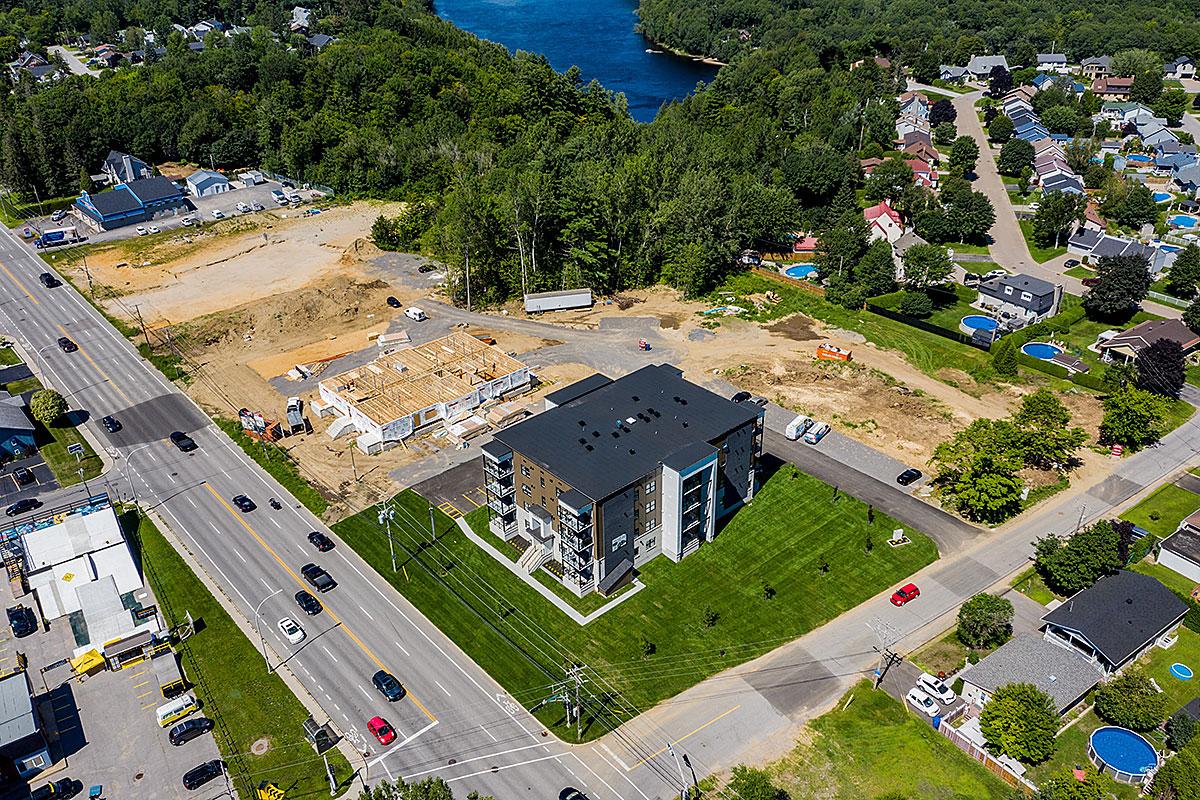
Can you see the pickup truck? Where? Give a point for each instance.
(318, 578)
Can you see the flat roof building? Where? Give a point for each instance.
(23, 748)
(618, 471)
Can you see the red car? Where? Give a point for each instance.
(905, 594)
(380, 729)
(1090, 282)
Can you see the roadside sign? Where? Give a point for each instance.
(75, 449)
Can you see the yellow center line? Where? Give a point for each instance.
(103, 374)
(17, 281)
(336, 619)
(659, 752)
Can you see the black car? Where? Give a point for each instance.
(23, 476)
(308, 604)
(908, 476)
(317, 577)
(64, 787)
(393, 302)
(183, 441)
(189, 729)
(48, 280)
(66, 345)
(22, 620)
(1071, 262)
(391, 689)
(196, 777)
(244, 503)
(320, 541)
(571, 793)
(21, 506)
(110, 424)
(741, 397)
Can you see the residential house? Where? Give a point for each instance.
(907, 123)
(16, 428)
(805, 244)
(1179, 69)
(1041, 81)
(924, 173)
(980, 67)
(302, 19)
(1125, 346)
(1030, 131)
(1180, 552)
(319, 41)
(1095, 68)
(884, 222)
(923, 151)
(1070, 183)
(121, 167)
(1112, 88)
(1166, 163)
(1020, 297)
(1116, 620)
(23, 749)
(196, 47)
(868, 165)
(1047, 145)
(915, 137)
(1026, 93)
(1187, 178)
(1052, 62)
(901, 246)
(206, 183)
(1155, 135)
(953, 74)
(1092, 220)
(130, 203)
(615, 472)
(1122, 112)
(1066, 676)
(1015, 105)
(881, 62)
(915, 104)
(205, 27)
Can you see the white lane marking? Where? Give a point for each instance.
(172, 478)
(368, 613)
(500, 769)
(391, 777)
(619, 772)
(331, 655)
(402, 649)
(206, 555)
(489, 733)
(616, 757)
(238, 553)
(606, 783)
(469, 760)
(364, 691)
(276, 524)
(264, 583)
(396, 747)
(443, 688)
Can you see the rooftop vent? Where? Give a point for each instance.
(616, 435)
(632, 452)
(589, 448)
(582, 441)
(583, 423)
(635, 398)
(630, 420)
(595, 434)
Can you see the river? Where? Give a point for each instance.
(595, 35)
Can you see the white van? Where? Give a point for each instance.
(797, 427)
(176, 710)
(817, 432)
(415, 314)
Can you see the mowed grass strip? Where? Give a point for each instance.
(818, 554)
(231, 680)
(1163, 510)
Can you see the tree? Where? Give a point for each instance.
(428, 789)
(1015, 155)
(1127, 63)
(1123, 284)
(1147, 86)
(1131, 701)
(1001, 129)
(926, 265)
(876, 271)
(1079, 153)
(1184, 273)
(964, 154)
(1172, 105)
(1161, 368)
(1020, 722)
(1060, 119)
(383, 233)
(1057, 213)
(985, 621)
(999, 82)
(915, 304)
(1044, 436)
(888, 180)
(1068, 787)
(1004, 357)
(944, 133)
(1042, 410)
(47, 406)
(749, 783)
(1133, 417)
(1179, 777)
(1180, 730)
(1076, 562)
(1138, 208)
(969, 214)
(942, 111)
(1191, 316)
(988, 489)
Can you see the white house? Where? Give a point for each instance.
(1182, 67)
(1180, 552)
(206, 183)
(980, 67)
(1052, 62)
(884, 222)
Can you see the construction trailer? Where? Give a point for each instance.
(558, 301)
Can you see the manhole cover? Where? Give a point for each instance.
(452, 762)
(495, 770)
(260, 746)
(139, 776)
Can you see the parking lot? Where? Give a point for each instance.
(458, 490)
(12, 490)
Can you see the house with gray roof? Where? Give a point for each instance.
(1021, 298)
(22, 743)
(1052, 62)
(953, 74)
(16, 427)
(980, 67)
(1061, 673)
(1096, 67)
(1182, 67)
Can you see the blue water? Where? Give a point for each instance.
(1140, 159)
(1182, 671)
(802, 271)
(1040, 350)
(978, 323)
(1162, 197)
(1182, 221)
(1124, 750)
(595, 35)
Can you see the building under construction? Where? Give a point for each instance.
(402, 392)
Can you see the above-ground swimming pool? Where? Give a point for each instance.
(800, 271)
(1182, 671)
(1121, 753)
(1181, 221)
(977, 323)
(1041, 350)
(1162, 197)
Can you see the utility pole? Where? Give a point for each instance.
(353, 468)
(386, 512)
(468, 276)
(329, 774)
(887, 636)
(575, 676)
(432, 529)
(142, 322)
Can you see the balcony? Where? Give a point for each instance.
(689, 523)
(573, 523)
(575, 541)
(498, 469)
(502, 528)
(502, 505)
(501, 489)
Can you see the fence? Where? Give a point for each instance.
(959, 740)
(1168, 300)
(929, 327)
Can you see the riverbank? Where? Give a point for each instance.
(660, 47)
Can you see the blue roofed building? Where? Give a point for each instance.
(130, 203)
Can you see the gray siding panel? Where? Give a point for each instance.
(735, 476)
(618, 517)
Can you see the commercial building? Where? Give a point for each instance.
(129, 203)
(413, 388)
(23, 749)
(121, 167)
(206, 183)
(615, 472)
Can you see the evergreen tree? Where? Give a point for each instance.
(1161, 368)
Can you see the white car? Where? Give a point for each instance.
(922, 702)
(1034, 206)
(153, 229)
(996, 273)
(141, 230)
(189, 221)
(291, 630)
(218, 213)
(242, 207)
(935, 688)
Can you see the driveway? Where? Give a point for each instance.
(73, 62)
(43, 482)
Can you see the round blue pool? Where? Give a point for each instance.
(1121, 753)
(801, 271)
(1162, 197)
(1181, 221)
(1041, 350)
(977, 322)
(1182, 671)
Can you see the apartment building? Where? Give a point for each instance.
(616, 472)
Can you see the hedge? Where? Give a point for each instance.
(1191, 620)
(1088, 381)
(1057, 370)
(1142, 548)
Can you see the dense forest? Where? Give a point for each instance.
(542, 181)
(946, 30)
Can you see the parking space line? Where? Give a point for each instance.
(140, 685)
(472, 502)
(443, 688)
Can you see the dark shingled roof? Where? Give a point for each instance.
(118, 201)
(589, 444)
(148, 190)
(1185, 543)
(1120, 614)
(577, 389)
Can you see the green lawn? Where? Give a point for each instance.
(1071, 751)
(1169, 578)
(870, 746)
(15, 388)
(52, 443)
(13, 211)
(276, 461)
(946, 314)
(231, 681)
(523, 641)
(1163, 510)
(947, 654)
(1030, 584)
(9, 357)
(1158, 664)
(1080, 272)
(1040, 254)
(972, 249)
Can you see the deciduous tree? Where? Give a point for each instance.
(47, 406)
(888, 180)
(1161, 368)
(1001, 129)
(1015, 155)
(1058, 213)
(1020, 722)
(1131, 700)
(942, 111)
(1184, 273)
(964, 154)
(1179, 777)
(985, 621)
(1133, 417)
(926, 265)
(1123, 284)
(999, 82)
(1070, 564)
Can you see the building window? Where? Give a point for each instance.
(543, 481)
(557, 492)
(1008, 290)
(649, 543)
(524, 470)
(651, 486)
(650, 506)
(619, 542)
(525, 490)
(1027, 297)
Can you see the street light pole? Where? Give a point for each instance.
(386, 512)
(683, 792)
(262, 642)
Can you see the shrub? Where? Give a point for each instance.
(1131, 701)
(1180, 730)
(916, 304)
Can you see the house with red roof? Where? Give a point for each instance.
(923, 172)
(884, 222)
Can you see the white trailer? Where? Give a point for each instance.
(558, 301)
(798, 427)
